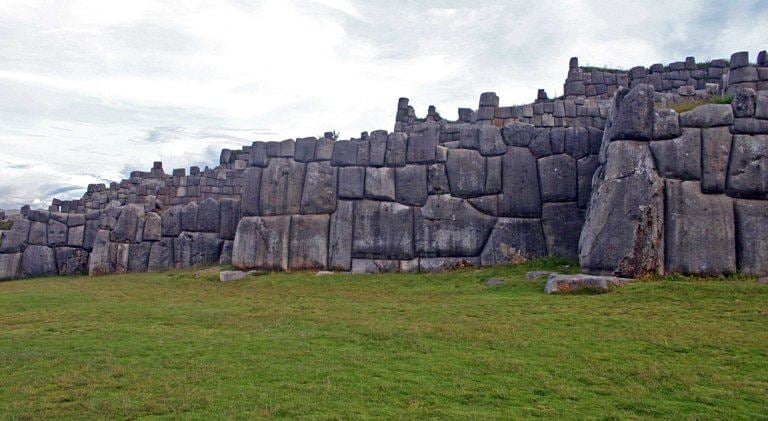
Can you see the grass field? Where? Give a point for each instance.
(173, 345)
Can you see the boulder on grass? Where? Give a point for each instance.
(580, 283)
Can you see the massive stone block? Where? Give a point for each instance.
(748, 167)
(466, 172)
(752, 236)
(249, 198)
(171, 226)
(191, 249)
(152, 227)
(38, 261)
(209, 216)
(161, 255)
(517, 134)
(382, 230)
(623, 231)
(708, 115)
(14, 240)
(450, 227)
(344, 153)
(57, 233)
(493, 180)
(520, 184)
(319, 194)
(380, 183)
(262, 243)
(71, 261)
(340, 237)
(679, 158)
(91, 229)
(699, 230)
(351, 182)
(138, 256)
(715, 148)
(378, 148)
(101, 260)
(38, 233)
(490, 141)
(230, 216)
(437, 179)
(557, 178)
(9, 266)
(258, 154)
(128, 224)
(562, 223)
(305, 149)
(631, 114)
(514, 240)
(422, 146)
(281, 185)
(577, 142)
(309, 242)
(411, 184)
(585, 168)
(396, 149)
(189, 215)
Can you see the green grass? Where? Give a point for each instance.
(688, 105)
(294, 345)
(6, 225)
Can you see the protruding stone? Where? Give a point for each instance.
(679, 158)
(262, 242)
(708, 115)
(632, 114)
(570, 284)
(281, 186)
(517, 134)
(231, 275)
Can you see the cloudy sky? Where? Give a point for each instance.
(92, 89)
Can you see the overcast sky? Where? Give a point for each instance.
(92, 89)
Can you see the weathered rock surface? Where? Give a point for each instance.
(748, 168)
(38, 261)
(632, 114)
(262, 242)
(752, 236)
(623, 230)
(680, 157)
(383, 230)
(231, 275)
(319, 193)
(570, 284)
(699, 230)
(450, 227)
(309, 242)
(514, 240)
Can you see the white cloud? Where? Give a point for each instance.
(91, 88)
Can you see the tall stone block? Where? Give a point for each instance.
(557, 178)
(319, 193)
(309, 242)
(209, 216)
(281, 187)
(250, 202)
(466, 172)
(752, 236)
(340, 237)
(699, 230)
(748, 167)
(520, 184)
(262, 243)
(230, 216)
(382, 230)
(380, 183)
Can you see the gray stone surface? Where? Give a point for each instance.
(38, 261)
(562, 223)
(680, 157)
(577, 143)
(161, 255)
(437, 179)
(324, 149)
(699, 231)
(373, 266)
(708, 115)
(262, 243)
(623, 230)
(748, 167)
(171, 225)
(632, 114)
(383, 230)
(231, 275)
(319, 193)
(396, 149)
(466, 172)
(752, 236)
(439, 264)
(340, 237)
(281, 187)
(209, 216)
(490, 141)
(351, 182)
(250, 193)
(585, 168)
(514, 240)
(57, 233)
(557, 178)
(305, 149)
(715, 148)
(152, 227)
(38, 233)
(421, 146)
(258, 154)
(377, 151)
(138, 256)
(450, 227)
(128, 224)
(520, 184)
(666, 124)
(580, 283)
(76, 235)
(9, 266)
(517, 134)
(411, 184)
(230, 215)
(540, 144)
(14, 240)
(380, 183)
(189, 214)
(193, 249)
(743, 102)
(309, 242)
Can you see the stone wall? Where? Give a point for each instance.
(660, 192)
(683, 193)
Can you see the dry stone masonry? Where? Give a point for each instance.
(606, 174)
